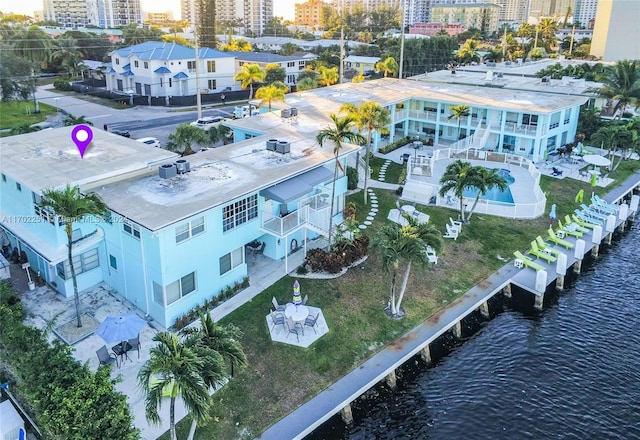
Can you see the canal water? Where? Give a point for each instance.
(570, 371)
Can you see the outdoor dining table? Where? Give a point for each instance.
(121, 350)
(409, 209)
(296, 313)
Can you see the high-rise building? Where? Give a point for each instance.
(102, 13)
(484, 16)
(550, 8)
(309, 13)
(515, 11)
(254, 13)
(585, 12)
(414, 11)
(616, 35)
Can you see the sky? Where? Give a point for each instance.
(281, 8)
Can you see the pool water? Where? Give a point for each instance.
(495, 194)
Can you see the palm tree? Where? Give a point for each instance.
(547, 29)
(621, 83)
(468, 52)
(457, 177)
(225, 339)
(404, 245)
(34, 45)
(306, 84)
(372, 117)
(273, 92)
(185, 135)
(66, 54)
(70, 205)
(249, 74)
(612, 137)
(458, 112)
(484, 179)
(185, 367)
(340, 131)
(327, 75)
(388, 66)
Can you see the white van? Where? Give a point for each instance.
(243, 111)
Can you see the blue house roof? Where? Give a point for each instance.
(127, 73)
(180, 75)
(157, 50)
(162, 69)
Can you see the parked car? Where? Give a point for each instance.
(150, 141)
(244, 112)
(207, 122)
(124, 133)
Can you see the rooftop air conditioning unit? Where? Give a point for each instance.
(293, 111)
(167, 171)
(283, 147)
(182, 166)
(271, 144)
(285, 113)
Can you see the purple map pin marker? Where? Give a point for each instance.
(81, 136)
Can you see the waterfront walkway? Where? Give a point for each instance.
(305, 419)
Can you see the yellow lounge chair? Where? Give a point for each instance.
(577, 220)
(543, 245)
(569, 230)
(527, 262)
(540, 253)
(568, 221)
(557, 240)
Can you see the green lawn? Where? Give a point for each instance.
(17, 114)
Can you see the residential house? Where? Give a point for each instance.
(361, 64)
(155, 68)
(292, 65)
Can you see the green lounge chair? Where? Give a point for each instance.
(568, 221)
(569, 230)
(528, 262)
(578, 221)
(540, 253)
(557, 240)
(542, 245)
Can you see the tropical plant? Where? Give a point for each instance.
(457, 177)
(621, 83)
(547, 29)
(458, 112)
(185, 135)
(248, 75)
(70, 120)
(274, 73)
(613, 137)
(34, 45)
(327, 75)
(340, 131)
(468, 52)
(388, 66)
(370, 116)
(16, 76)
(403, 245)
(306, 84)
(180, 367)
(70, 205)
(484, 179)
(66, 55)
(272, 92)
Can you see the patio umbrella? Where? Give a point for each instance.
(120, 328)
(552, 213)
(297, 296)
(596, 159)
(579, 149)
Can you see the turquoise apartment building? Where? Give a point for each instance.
(178, 228)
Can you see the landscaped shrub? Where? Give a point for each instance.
(69, 400)
(343, 254)
(352, 178)
(62, 84)
(193, 314)
(402, 142)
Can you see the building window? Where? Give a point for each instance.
(291, 79)
(81, 263)
(191, 66)
(180, 288)
(146, 64)
(291, 64)
(113, 262)
(212, 84)
(239, 212)
(135, 64)
(211, 66)
(160, 82)
(18, 186)
(231, 261)
(131, 229)
(528, 119)
(190, 229)
(117, 61)
(170, 84)
(4, 178)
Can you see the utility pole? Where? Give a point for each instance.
(341, 67)
(573, 31)
(401, 46)
(198, 97)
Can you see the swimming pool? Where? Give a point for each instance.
(495, 194)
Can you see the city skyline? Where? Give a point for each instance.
(281, 8)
